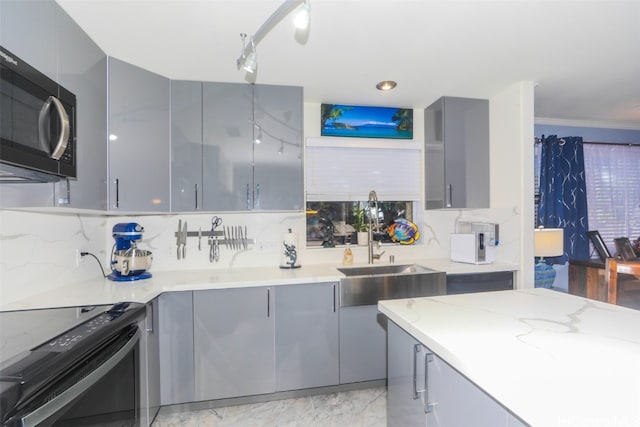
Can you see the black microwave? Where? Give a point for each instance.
(37, 124)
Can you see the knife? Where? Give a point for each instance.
(179, 237)
(184, 240)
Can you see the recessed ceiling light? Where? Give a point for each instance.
(386, 85)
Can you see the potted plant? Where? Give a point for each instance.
(360, 226)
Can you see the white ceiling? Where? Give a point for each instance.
(584, 55)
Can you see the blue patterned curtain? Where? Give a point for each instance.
(563, 194)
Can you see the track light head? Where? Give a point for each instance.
(303, 17)
(249, 62)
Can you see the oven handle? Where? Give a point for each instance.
(51, 407)
(63, 139)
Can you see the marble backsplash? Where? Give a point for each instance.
(39, 251)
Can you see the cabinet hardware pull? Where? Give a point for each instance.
(248, 202)
(196, 186)
(416, 350)
(117, 181)
(268, 302)
(450, 201)
(334, 298)
(256, 200)
(428, 407)
(149, 319)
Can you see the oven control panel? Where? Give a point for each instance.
(70, 338)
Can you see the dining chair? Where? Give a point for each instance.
(613, 267)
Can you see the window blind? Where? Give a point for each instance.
(613, 190)
(338, 169)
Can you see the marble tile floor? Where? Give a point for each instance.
(360, 408)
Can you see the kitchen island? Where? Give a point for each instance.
(541, 357)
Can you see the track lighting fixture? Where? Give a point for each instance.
(248, 56)
(247, 60)
(301, 21)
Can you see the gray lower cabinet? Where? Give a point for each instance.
(363, 344)
(152, 333)
(233, 342)
(480, 282)
(139, 103)
(448, 399)
(175, 330)
(306, 336)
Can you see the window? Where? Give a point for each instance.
(334, 223)
(613, 190)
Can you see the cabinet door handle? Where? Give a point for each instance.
(117, 182)
(334, 298)
(450, 193)
(248, 201)
(428, 407)
(256, 200)
(268, 302)
(416, 350)
(196, 188)
(149, 318)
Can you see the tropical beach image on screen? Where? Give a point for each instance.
(366, 122)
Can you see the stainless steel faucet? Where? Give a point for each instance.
(373, 212)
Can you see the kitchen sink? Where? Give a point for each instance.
(366, 285)
(383, 269)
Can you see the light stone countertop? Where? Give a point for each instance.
(551, 358)
(101, 291)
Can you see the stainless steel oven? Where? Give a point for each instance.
(87, 376)
(37, 124)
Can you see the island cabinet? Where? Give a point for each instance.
(306, 336)
(175, 335)
(457, 153)
(233, 342)
(139, 103)
(423, 390)
(252, 147)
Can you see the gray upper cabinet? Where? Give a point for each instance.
(233, 342)
(307, 347)
(42, 34)
(240, 173)
(138, 139)
(82, 69)
(28, 29)
(227, 146)
(278, 181)
(186, 146)
(457, 153)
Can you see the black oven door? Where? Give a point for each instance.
(101, 389)
(37, 119)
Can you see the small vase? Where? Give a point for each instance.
(363, 238)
